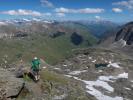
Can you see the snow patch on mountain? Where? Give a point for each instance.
(3, 23)
(77, 72)
(102, 81)
(115, 65)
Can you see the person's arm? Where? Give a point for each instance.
(39, 61)
(39, 64)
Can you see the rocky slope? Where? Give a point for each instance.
(99, 27)
(126, 33)
(20, 28)
(91, 74)
(52, 86)
(10, 86)
(123, 33)
(107, 75)
(120, 39)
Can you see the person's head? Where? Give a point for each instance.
(35, 58)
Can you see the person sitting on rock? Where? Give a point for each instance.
(35, 68)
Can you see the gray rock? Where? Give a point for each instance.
(9, 84)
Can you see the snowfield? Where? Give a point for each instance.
(102, 81)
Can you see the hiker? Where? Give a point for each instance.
(35, 68)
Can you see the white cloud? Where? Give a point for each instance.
(126, 3)
(46, 3)
(84, 11)
(22, 12)
(62, 10)
(117, 10)
(60, 14)
(98, 18)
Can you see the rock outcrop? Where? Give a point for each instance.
(106, 74)
(126, 33)
(10, 86)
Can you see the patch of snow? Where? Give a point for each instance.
(3, 23)
(115, 65)
(77, 72)
(127, 88)
(68, 70)
(65, 65)
(27, 20)
(36, 19)
(120, 43)
(68, 76)
(102, 82)
(106, 78)
(76, 78)
(123, 42)
(99, 95)
(99, 83)
(110, 62)
(123, 75)
(57, 68)
(5, 61)
(48, 22)
(100, 71)
(44, 67)
(131, 81)
(94, 61)
(110, 78)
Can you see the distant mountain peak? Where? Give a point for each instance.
(126, 33)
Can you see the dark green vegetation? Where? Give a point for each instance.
(51, 49)
(76, 39)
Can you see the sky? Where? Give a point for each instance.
(112, 10)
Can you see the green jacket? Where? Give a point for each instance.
(35, 64)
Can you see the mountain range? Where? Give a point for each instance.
(100, 27)
(52, 39)
(79, 60)
(120, 39)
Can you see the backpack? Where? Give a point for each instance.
(35, 64)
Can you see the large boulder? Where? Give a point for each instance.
(9, 85)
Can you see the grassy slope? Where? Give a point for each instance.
(50, 49)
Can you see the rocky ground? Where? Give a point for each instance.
(107, 75)
(10, 86)
(91, 74)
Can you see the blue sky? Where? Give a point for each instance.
(113, 10)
